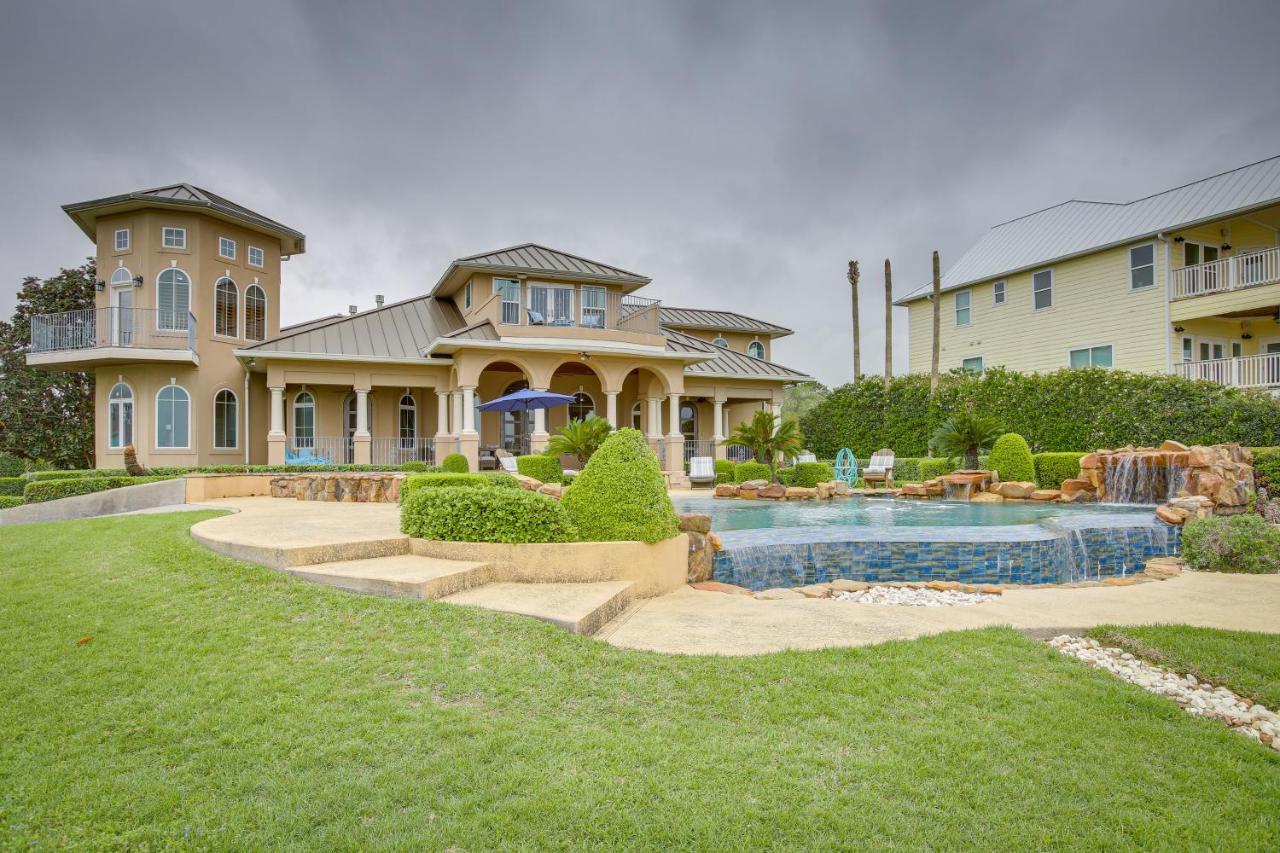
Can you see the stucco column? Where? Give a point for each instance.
(611, 408)
(468, 438)
(675, 444)
(276, 436)
(455, 406)
(468, 408)
(361, 441)
(442, 413)
(718, 426)
(538, 438)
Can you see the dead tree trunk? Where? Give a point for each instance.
(857, 334)
(888, 324)
(937, 326)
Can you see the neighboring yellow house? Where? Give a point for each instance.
(193, 367)
(1186, 281)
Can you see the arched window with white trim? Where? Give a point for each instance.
(173, 417)
(755, 349)
(635, 415)
(408, 422)
(226, 308)
(121, 276)
(226, 420)
(120, 416)
(304, 420)
(689, 421)
(720, 341)
(582, 407)
(255, 313)
(173, 299)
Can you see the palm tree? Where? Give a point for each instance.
(937, 325)
(580, 438)
(767, 437)
(965, 434)
(854, 276)
(888, 324)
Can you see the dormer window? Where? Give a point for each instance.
(173, 238)
(226, 248)
(122, 239)
(255, 256)
(755, 349)
(466, 296)
(720, 341)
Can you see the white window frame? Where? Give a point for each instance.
(406, 442)
(569, 408)
(534, 286)
(121, 277)
(1000, 293)
(636, 417)
(1237, 349)
(128, 239)
(235, 313)
(982, 364)
(223, 243)
(245, 318)
(466, 296)
(1211, 343)
(262, 256)
(184, 320)
(115, 407)
(293, 420)
(1090, 348)
(968, 308)
(173, 237)
(503, 302)
(190, 410)
(1152, 265)
(1188, 345)
(600, 310)
(1052, 299)
(235, 403)
(752, 347)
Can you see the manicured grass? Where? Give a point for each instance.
(1247, 662)
(156, 694)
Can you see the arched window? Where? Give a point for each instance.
(408, 422)
(755, 349)
(304, 420)
(226, 423)
(255, 313)
(689, 421)
(173, 417)
(226, 308)
(120, 416)
(173, 299)
(720, 342)
(635, 415)
(121, 276)
(582, 407)
(516, 426)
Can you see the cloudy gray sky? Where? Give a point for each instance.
(739, 153)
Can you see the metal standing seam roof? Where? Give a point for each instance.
(532, 257)
(727, 362)
(1075, 227)
(399, 330)
(730, 321)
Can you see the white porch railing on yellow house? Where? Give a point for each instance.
(1235, 273)
(397, 451)
(1250, 371)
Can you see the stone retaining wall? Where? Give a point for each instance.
(338, 487)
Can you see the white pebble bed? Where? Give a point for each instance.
(907, 597)
(1195, 696)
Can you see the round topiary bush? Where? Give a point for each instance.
(1011, 459)
(1239, 543)
(621, 496)
(455, 463)
(744, 471)
(541, 467)
(512, 516)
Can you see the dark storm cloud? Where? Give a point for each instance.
(738, 153)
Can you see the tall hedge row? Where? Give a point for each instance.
(1078, 410)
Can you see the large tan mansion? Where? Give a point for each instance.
(194, 368)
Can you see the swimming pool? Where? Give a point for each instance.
(792, 543)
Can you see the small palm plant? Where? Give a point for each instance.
(580, 438)
(766, 438)
(965, 434)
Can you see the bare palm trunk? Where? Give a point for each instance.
(937, 325)
(854, 275)
(888, 324)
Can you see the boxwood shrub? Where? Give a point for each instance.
(484, 515)
(724, 466)
(76, 474)
(744, 471)
(178, 471)
(931, 467)
(455, 463)
(810, 474)
(541, 467)
(39, 491)
(1011, 459)
(1053, 468)
(10, 501)
(621, 495)
(489, 479)
(1237, 543)
(1267, 464)
(12, 486)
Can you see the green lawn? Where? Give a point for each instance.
(222, 705)
(1245, 661)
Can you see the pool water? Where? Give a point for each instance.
(729, 514)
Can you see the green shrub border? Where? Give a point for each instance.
(52, 490)
(539, 466)
(513, 516)
(10, 501)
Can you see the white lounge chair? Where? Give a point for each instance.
(507, 461)
(702, 469)
(880, 468)
(807, 456)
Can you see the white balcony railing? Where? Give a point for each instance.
(95, 328)
(700, 447)
(567, 307)
(1234, 273)
(1250, 371)
(323, 450)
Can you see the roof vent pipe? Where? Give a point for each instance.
(378, 300)
(351, 309)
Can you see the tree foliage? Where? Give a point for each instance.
(766, 436)
(580, 438)
(798, 400)
(965, 434)
(46, 414)
(1079, 410)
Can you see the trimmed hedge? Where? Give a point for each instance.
(744, 471)
(51, 490)
(1064, 410)
(931, 468)
(810, 474)
(724, 466)
(12, 486)
(178, 471)
(494, 479)
(455, 463)
(10, 501)
(485, 515)
(76, 474)
(1011, 459)
(1053, 468)
(1239, 543)
(541, 467)
(621, 495)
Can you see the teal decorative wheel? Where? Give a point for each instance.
(846, 467)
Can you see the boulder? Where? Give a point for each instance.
(846, 585)
(1014, 489)
(841, 488)
(777, 594)
(1071, 487)
(1201, 456)
(716, 586)
(1172, 446)
(914, 490)
(529, 484)
(1078, 497)
(1046, 495)
(990, 589)
(753, 484)
(1090, 461)
(726, 490)
(1125, 581)
(551, 490)
(801, 493)
(986, 498)
(1204, 483)
(1171, 515)
(715, 542)
(775, 492)
(701, 558)
(817, 590)
(943, 586)
(695, 522)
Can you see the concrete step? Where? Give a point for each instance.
(583, 608)
(400, 576)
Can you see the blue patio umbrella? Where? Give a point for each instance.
(525, 400)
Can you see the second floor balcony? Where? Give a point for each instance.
(114, 334)
(1245, 270)
(551, 308)
(1250, 371)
